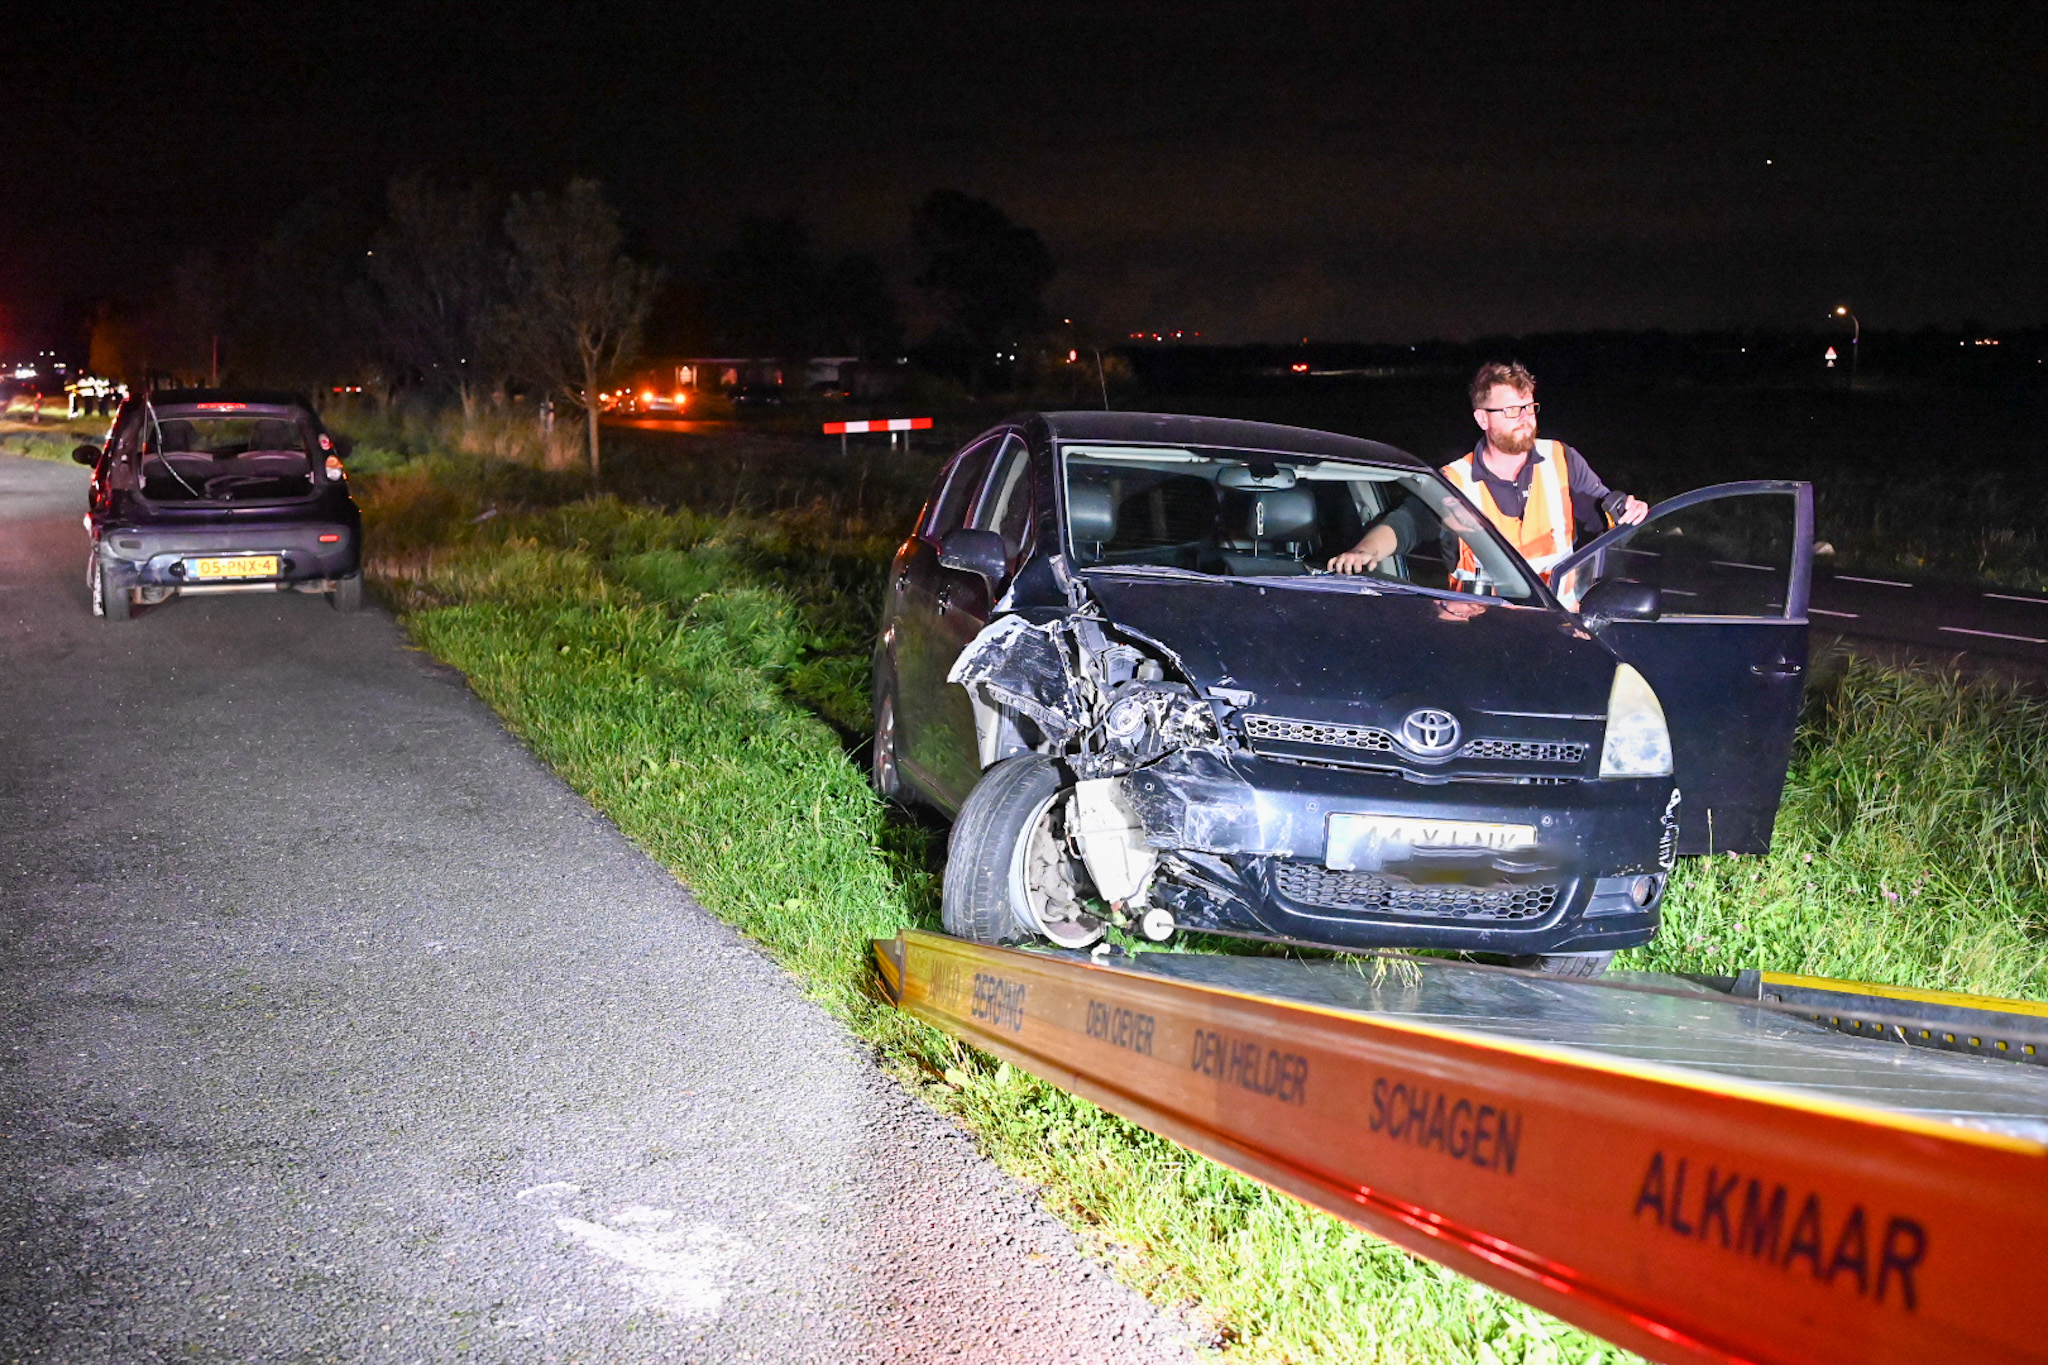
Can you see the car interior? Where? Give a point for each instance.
(226, 459)
(1243, 516)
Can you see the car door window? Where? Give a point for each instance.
(956, 495)
(1005, 504)
(1732, 551)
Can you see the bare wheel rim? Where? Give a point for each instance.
(1044, 879)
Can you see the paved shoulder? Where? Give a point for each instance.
(338, 1029)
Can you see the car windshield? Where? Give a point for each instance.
(226, 457)
(1236, 513)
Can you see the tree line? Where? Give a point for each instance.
(463, 296)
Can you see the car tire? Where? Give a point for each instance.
(348, 593)
(882, 770)
(109, 599)
(1009, 875)
(1565, 964)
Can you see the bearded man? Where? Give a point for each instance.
(1524, 486)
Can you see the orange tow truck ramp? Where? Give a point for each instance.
(1690, 1174)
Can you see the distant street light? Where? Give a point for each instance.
(1855, 340)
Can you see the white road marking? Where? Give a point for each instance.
(1994, 635)
(1823, 611)
(640, 1215)
(684, 1272)
(555, 1189)
(1735, 564)
(1880, 582)
(2008, 597)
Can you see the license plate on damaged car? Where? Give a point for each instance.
(232, 566)
(1359, 841)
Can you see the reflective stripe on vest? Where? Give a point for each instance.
(1542, 535)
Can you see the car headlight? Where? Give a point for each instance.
(1638, 742)
(1146, 720)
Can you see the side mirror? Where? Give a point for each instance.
(972, 550)
(1620, 599)
(86, 455)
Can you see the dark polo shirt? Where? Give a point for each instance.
(1512, 495)
(1589, 495)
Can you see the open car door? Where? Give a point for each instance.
(1727, 655)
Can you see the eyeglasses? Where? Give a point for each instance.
(1514, 410)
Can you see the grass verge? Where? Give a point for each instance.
(698, 676)
(52, 439)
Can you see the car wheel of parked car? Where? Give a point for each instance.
(348, 593)
(882, 769)
(110, 599)
(1565, 964)
(1009, 871)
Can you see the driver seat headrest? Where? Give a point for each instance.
(1091, 514)
(1282, 514)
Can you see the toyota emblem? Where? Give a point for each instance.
(1429, 733)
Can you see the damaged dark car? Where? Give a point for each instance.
(1112, 654)
(208, 491)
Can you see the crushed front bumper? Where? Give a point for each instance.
(1243, 844)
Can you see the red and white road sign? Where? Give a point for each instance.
(879, 424)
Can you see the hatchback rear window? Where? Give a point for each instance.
(239, 457)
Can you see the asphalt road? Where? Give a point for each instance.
(336, 1028)
(1934, 619)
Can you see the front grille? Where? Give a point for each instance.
(1372, 739)
(1314, 884)
(1315, 732)
(1524, 751)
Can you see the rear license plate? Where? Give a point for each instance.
(233, 566)
(1362, 841)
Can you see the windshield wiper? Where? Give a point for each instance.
(1323, 582)
(1152, 571)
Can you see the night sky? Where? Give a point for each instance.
(1256, 171)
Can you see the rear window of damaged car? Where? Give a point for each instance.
(1266, 514)
(227, 456)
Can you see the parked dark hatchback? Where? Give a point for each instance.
(209, 491)
(1110, 652)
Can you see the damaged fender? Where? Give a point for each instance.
(1016, 671)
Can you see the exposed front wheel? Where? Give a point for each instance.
(348, 592)
(1565, 964)
(1010, 873)
(109, 598)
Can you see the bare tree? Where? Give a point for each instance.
(985, 272)
(437, 285)
(577, 300)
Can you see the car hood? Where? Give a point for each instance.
(1330, 654)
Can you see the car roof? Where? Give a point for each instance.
(255, 399)
(1157, 428)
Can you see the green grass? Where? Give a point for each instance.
(701, 676)
(53, 439)
(1909, 850)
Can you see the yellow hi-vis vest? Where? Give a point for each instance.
(1542, 534)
